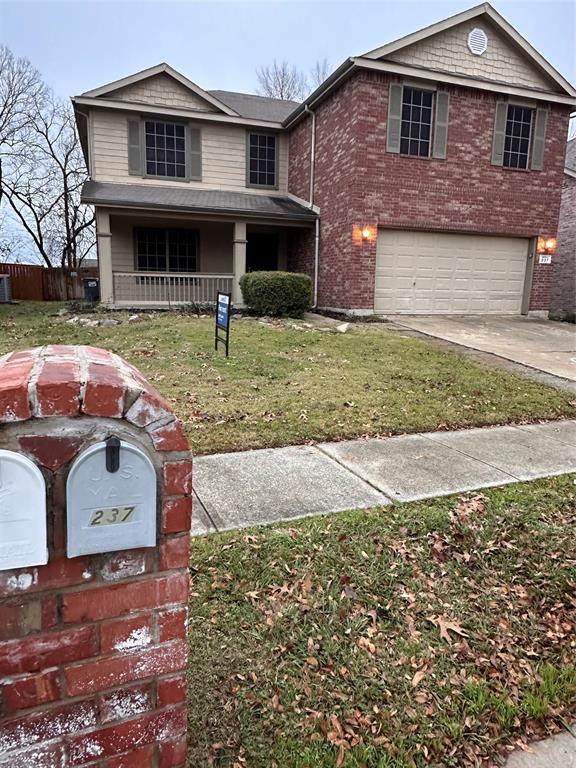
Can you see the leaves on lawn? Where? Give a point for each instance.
(410, 635)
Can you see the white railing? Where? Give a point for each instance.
(167, 288)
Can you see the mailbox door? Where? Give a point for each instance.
(110, 511)
(22, 512)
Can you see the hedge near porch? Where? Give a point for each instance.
(277, 293)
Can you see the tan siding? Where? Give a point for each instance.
(162, 90)
(215, 242)
(223, 155)
(449, 51)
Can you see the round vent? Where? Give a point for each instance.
(478, 41)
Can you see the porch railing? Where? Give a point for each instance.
(165, 289)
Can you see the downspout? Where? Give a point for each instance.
(311, 202)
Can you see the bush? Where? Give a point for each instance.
(277, 293)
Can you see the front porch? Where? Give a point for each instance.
(164, 258)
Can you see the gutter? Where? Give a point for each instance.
(343, 70)
(311, 201)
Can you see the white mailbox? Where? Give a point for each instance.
(22, 513)
(111, 499)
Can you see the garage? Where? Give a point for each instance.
(447, 273)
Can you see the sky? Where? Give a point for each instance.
(79, 45)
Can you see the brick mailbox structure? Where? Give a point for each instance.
(93, 648)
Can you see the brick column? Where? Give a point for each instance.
(93, 649)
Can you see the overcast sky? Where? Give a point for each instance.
(78, 45)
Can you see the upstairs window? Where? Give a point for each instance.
(165, 149)
(262, 159)
(517, 137)
(166, 250)
(416, 127)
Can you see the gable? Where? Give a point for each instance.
(161, 90)
(448, 51)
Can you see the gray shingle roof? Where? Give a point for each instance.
(571, 155)
(256, 107)
(198, 200)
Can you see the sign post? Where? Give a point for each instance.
(223, 306)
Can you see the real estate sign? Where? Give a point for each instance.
(223, 307)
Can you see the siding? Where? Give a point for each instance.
(449, 51)
(215, 242)
(162, 90)
(223, 154)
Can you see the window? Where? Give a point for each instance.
(416, 127)
(165, 149)
(262, 159)
(166, 250)
(517, 139)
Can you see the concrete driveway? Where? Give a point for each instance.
(541, 344)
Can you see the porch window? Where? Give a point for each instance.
(166, 250)
(165, 149)
(262, 159)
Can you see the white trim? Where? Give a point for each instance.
(184, 114)
(472, 13)
(467, 82)
(301, 201)
(157, 70)
(570, 172)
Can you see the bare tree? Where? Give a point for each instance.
(318, 73)
(21, 88)
(44, 175)
(282, 80)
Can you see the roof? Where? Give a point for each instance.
(196, 200)
(570, 161)
(256, 107)
(485, 9)
(376, 60)
(144, 74)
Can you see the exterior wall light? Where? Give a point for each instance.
(546, 245)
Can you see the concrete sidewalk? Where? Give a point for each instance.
(236, 490)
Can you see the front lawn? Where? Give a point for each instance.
(283, 386)
(424, 634)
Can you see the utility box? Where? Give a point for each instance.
(91, 289)
(111, 500)
(5, 289)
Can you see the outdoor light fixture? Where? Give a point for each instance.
(546, 245)
(366, 233)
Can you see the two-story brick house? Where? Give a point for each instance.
(415, 179)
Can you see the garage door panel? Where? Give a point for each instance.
(443, 273)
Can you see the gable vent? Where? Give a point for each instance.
(477, 41)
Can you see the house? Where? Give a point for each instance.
(563, 294)
(417, 178)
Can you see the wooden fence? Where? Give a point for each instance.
(34, 283)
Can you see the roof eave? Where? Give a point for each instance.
(342, 71)
(204, 210)
(184, 114)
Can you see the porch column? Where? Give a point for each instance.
(239, 261)
(104, 245)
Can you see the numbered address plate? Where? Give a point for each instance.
(112, 516)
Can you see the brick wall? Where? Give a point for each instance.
(358, 183)
(563, 289)
(93, 648)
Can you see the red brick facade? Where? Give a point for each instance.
(93, 649)
(358, 184)
(563, 293)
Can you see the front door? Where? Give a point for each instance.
(261, 252)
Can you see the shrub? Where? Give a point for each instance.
(277, 293)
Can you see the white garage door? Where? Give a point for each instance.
(437, 273)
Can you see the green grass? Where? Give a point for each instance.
(282, 386)
(319, 644)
